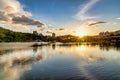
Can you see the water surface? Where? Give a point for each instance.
(59, 62)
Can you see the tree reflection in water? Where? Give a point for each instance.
(18, 61)
(15, 62)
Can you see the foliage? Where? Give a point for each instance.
(11, 36)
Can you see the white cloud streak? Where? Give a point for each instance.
(81, 15)
(118, 18)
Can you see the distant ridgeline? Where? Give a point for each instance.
(11, 36)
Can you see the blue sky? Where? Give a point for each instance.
(58, 11)
(73, 15)
(63, 10)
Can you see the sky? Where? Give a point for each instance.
(76, 17)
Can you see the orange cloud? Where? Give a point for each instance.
(9, 8)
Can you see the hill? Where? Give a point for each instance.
(11, 36)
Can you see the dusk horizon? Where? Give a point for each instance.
(80, 17)
(59, 39)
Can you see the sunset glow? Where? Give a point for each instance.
(80, 33)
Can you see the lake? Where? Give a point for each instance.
(59, 62)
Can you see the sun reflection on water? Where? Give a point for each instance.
(81, 48)
(14, 63)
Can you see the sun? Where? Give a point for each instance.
(80, 33)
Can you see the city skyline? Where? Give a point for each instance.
(76, 17)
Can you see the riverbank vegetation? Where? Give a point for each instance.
(11, 36)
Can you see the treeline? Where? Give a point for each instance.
(71, 38)
(11, 36)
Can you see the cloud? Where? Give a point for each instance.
(81, 15)
(96, 23)
(9, 8)
(40, 29)
(50, 26)
(118, 18)
(4, 17)
(12, 7)
(49, 32)
(60, 29)
(12, 12)
(26, 21)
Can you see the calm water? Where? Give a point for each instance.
(59, 62)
